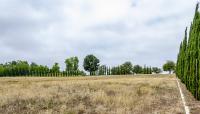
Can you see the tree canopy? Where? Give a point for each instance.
(55, 68)
(91, 64)
(127, 68)
(169, 66)
(137, 69)
(156, 70)
(72, 64)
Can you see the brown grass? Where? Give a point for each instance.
(91, 95)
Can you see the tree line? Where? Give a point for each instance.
(127, 69)
(23, 68)
(91, 64)
(188, 62)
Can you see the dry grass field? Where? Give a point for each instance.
(140, 94)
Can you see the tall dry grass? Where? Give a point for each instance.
(90, 95)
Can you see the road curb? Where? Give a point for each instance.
(187, 109)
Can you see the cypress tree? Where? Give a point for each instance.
(188, 60)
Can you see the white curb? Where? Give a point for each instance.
(187, 110)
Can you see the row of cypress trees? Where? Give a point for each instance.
(147, 70)
(23, 68)
(120, 70)
(188, 62)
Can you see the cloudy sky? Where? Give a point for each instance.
(47, 31)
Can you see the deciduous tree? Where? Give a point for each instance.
(169, 66)
(91, 64)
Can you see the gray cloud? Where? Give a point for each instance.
(48, 31)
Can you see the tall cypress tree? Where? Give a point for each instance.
(188, 62)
